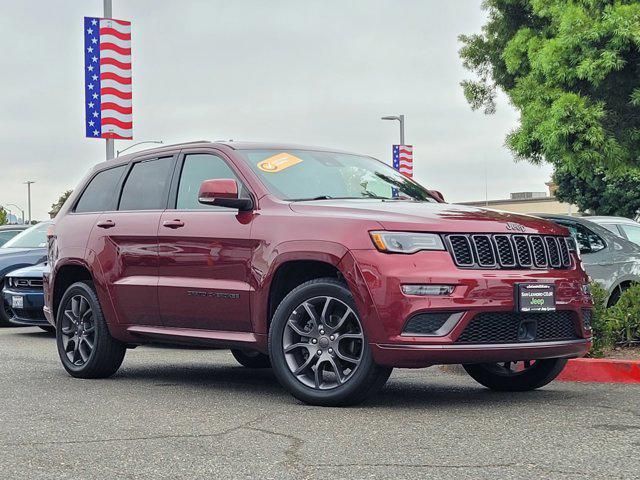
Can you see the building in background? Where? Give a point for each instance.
(530, 202)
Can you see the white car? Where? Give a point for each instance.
(621, 226)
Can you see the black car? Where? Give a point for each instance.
(24, 295)
(24, 250)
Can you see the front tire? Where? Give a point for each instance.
(251, 358)
(318, 349)
(85, 346)
(516, 376)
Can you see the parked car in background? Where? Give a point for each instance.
(7, 232)
(609, 259)
(24, 295)
(620, 226)
(24, 250)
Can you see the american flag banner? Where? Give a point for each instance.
(107, 62)
(403, 159)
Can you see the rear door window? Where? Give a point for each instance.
(147, 185)
(100, 194)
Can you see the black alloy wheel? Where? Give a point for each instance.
(318, 346)
(85, 346)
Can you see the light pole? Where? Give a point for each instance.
(399, 118)
(108, 13)
(28, 184)
(135, 144)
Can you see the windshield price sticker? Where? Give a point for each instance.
(536, 298)
(279, 162)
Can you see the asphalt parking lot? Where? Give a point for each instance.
(195, 413)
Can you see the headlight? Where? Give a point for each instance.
(405, 242)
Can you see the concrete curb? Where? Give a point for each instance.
(602, 370)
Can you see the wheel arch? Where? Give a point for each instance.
(65, 276)
(294, 263)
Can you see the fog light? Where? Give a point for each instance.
(428, 290)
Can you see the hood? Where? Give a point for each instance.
(13, 258)
(430, 217)
(35, 271)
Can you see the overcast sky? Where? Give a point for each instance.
(316, 72)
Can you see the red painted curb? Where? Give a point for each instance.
(601, 370)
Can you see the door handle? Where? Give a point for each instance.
(173, 224)
(106, 224)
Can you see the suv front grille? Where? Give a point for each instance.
(513, 327)
(509, 251)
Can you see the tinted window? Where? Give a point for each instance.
(587, 241)
(198, 168)
(632, 232)
(34, 237)
(147, 184)
(100, 194)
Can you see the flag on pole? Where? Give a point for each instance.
(403, 159)
(107, 64)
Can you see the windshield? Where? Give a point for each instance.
(34, 237)
(310, 175)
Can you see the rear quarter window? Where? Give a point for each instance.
(100, 194)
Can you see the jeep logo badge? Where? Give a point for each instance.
(515, 226)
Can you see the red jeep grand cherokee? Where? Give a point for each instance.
(330, 267)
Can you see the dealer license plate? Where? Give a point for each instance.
(17, 302)
(536, 297)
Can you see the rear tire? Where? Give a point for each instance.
(499, 376)
(316, 332)
(85, 346)
(251, 358)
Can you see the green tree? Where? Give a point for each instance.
(572, 70)
(3, 216)
(601, 193)
(55, 208)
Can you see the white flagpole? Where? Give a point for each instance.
(110, 142)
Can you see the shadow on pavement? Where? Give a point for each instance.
(433, 392)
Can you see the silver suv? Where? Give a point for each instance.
(608, 258)
(621, 226)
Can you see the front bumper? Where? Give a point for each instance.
(376, 279)
(32, 312)
(416, 356)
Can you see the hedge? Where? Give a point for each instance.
(618, 325)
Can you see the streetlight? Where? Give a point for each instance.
(399, 118)
(139, 143)
(14, 205)
(28, 184)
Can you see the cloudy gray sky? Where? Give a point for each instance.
(318, 72)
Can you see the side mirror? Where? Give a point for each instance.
(437, 195)
(223, 193)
